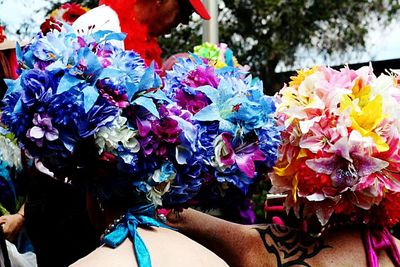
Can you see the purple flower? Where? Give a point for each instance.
(191, 102)
(167, 129)
(243, 153)
(159, 136)
(115, 94)
(202, 76)
(42, 130)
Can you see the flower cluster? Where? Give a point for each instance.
(87, 109)
(218, 55)
(68, 12)
(340, 154)
(237, 130)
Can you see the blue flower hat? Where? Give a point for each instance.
(92, 113)
(238, 134)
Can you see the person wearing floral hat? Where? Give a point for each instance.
(47, 205)
(337, 170)
(145, 20)
(95, 117)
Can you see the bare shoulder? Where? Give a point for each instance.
(284, 246)
(166, 248)
(104, 256)
(170, 248)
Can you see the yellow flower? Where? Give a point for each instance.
(287, 168)
(365, 119)
(218, 64)
(54, 13)
(301, 76)
(236, 62)
(362, 92)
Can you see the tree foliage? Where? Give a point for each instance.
(266, 32)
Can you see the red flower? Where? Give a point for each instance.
(49, 25)
(2, 36)
(73, 11)
(311, 182)
(388, 212)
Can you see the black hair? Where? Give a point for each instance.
(186, 10)
(3, 90)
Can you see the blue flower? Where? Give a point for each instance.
(38, 87)
(101, 114)
(86, 66)
(235, 177)
(175, 78)
(130, 62)
(225, 102)
(15, 114)
(269, 142)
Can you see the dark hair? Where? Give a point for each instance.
(3, 90)
(186, 10)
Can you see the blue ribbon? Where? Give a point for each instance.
(135, 217)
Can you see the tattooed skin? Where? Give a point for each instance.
(290, 247)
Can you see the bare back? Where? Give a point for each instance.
(166, 247)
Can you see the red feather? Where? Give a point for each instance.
(138, 38)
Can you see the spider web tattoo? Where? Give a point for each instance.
(290, 247)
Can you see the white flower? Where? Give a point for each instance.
(155, 193)
(10, 153)
(110, 137)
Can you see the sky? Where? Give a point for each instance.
(382, 43)
(14, 12)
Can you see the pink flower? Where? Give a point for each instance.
(192, 103)
(202, 76)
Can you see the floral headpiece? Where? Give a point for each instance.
(340, 154)
(238, 134)
(81, 100)
(218, 55)
(67, 13)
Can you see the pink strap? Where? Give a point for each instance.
(376, 240)
(274, 208)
